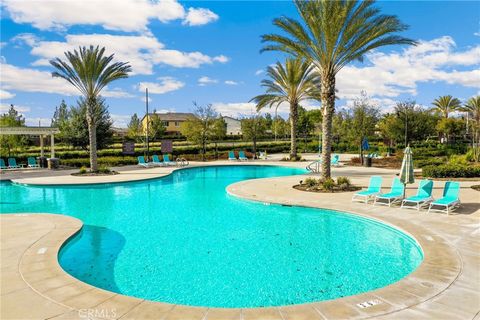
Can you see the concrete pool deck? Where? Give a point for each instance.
(445, 286)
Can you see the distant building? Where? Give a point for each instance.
(171, 120)
(119, 132)
(233, 126)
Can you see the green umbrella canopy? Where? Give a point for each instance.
(406, 172)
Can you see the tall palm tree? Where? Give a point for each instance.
(472, 107)
(446, 104)
(331, 35)
(291, 83)
(90, 71)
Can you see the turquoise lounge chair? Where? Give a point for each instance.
(2, 164)
(374, 188)
(32, 163)
(231, 156)
(241, 156)
(167, 162)
(156, 161)
(395, 194)
(423, 197)
(142, 162)
(450, 200)
(12, 164)
(335, 160)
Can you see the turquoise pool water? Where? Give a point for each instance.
(182, 239)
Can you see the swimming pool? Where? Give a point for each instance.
(182, 239)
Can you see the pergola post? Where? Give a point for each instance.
(42, 153)
(52, 145)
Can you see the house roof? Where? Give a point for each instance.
(172, 116)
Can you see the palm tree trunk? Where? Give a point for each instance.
(293, 131)
(92, 135)
(328, 106)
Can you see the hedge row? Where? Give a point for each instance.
(451, 171)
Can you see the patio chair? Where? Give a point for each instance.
(32, 163)
(167, 162)
(142, 162)
(374, 188)
(241, 156)
(335, 160)
(395, 194)
(423, 197)
(156, 161)
(2, 164)
(450, 200)
(231, 156)
(12, 164)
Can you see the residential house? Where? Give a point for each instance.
(171, 120)
(233, 126)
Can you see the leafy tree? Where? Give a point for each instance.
(90, 71)
(280, 127)
(8, 143)
(449, 127)
(75, 130)
(156, 128)
(332, 34)
(291, 83)
(60, 119)
(446, 104)
(472, 107)
(205, 127)
(253, 128)
(308, 121)
(363, 119)
(419, 122)
(134, 127)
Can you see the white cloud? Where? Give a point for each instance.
(142, 52)
(4, 107)
(32, 80)
(234, 109)
(476, 34)
(259, 72)
(199, 16)
(4, 95)
(231, 82)
(393, 74)
(28, 38)
(34, 122)
(221, 58)
(203, 81)
(120, 120)
(165, 84)
(124, 15)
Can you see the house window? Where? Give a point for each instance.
(177, 124)
(165, 123)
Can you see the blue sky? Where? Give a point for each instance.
(208, 52)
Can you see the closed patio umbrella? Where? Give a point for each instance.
(406, 172)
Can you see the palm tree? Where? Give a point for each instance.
(472, 107)
(331, 35)
(90, 71)
(291, 83)
(446, 104)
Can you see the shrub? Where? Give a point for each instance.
(343, 180)
(83, 170)
(311, 182)
(328, 184)
(451, 171)
(104, 169)
(429, 162)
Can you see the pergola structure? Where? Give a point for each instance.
(34, 131)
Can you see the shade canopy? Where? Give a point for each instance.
(406, 172)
